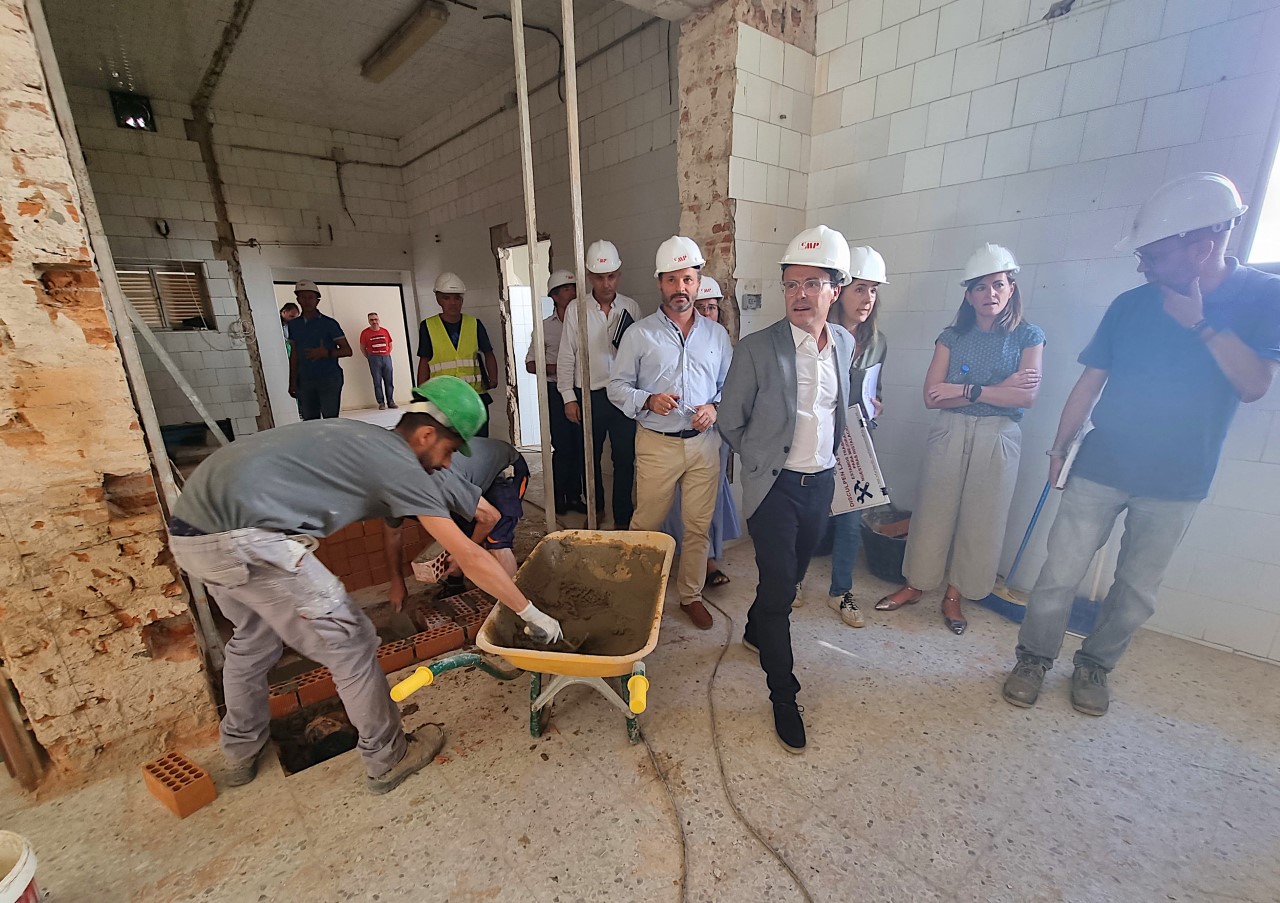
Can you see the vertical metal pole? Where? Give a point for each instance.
(579, 253)
(531, 230)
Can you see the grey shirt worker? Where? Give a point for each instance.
(230, 531)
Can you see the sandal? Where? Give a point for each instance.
(889, 603)
(955, 625)
(717, 578)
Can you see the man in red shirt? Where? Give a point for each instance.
(375, 344)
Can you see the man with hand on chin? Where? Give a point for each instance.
(667, 377)
(1166, 370)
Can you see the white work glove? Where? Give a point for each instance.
(540, 626)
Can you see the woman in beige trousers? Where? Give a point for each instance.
(985, 372)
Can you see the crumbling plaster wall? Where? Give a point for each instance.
(83, 566)
(709, 82)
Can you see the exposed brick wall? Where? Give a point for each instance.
(83, 566)
(356, 556)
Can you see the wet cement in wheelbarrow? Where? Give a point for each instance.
(601, 611)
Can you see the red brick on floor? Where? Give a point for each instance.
(180, 784)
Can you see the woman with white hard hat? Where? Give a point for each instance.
(856, 310)
(984, 374)
(724, 521)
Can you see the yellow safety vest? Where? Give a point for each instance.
(446, 360)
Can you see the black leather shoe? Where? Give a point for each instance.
(789, 726)
(577, 506)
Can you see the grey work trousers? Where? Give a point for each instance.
(957, 527)
(274, 591)
(1086, 515)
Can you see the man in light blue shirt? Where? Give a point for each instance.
(667, 377)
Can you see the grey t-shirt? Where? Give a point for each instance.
(315, 478)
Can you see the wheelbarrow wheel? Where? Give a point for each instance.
(538, 718)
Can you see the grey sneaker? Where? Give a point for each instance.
(799, 600)
(237, 774)
(423, 745)
(1022, 686)
(382, 407)
(848, 609)
(1089, 693)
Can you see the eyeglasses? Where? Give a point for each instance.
(810, 286)
(706, 307)
(1150, 257)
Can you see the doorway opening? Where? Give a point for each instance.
(525, 303)
(350, 304)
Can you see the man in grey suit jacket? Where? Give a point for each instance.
(783, 410)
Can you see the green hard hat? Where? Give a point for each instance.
(455, 404)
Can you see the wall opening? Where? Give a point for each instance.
(525, 303)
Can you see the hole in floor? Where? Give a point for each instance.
(313, 735)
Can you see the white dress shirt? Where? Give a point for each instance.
(817, 383)
(655, 358)
(599, 330)
(552, 328)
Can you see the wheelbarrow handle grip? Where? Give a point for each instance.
(638, 692)
(421, 677)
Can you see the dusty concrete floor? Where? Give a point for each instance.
(920, 784)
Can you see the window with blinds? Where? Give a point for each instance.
(168, 295)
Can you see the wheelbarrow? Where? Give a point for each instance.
(618, 580)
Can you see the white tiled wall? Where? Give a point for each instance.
(139, 177)
(627, 112)
(769, 164)
(938, 126)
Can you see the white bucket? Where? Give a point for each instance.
(18, 865)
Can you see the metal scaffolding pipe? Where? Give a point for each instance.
(531, 230)
(579, 252)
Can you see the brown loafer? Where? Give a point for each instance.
(698, 614)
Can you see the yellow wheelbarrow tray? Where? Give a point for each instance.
(576, 557)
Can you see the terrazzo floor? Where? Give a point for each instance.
(919, 784)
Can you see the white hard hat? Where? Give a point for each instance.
(866, 263)
(1196, 201)
(709, 288)
(450, 284)
(602, 257)
(305, 285)
(989, 259)
(820, 247)
(561, 278)
(677, 253)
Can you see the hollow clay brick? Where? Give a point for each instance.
(437, 641)
(316, 686)
(283, 699)
(394, 656)
(180, 784)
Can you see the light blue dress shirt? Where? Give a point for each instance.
(656, 358)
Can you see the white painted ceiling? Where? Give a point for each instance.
(297, 60)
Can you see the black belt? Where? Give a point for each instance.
(804, 479)
(682, 434)
(179, 527)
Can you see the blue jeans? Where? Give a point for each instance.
(1088, 511)
(846, 539)
(383, 373)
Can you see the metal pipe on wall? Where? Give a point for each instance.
(579, 252)
(531, 230)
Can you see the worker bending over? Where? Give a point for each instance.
(236, 529)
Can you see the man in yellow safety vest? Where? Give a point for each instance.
(455, 344)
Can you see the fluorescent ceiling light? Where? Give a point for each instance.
(420, 26)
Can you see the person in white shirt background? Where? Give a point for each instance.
(566, 435)
(608, 314)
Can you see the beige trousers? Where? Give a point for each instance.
(662, 462)
(957, 526)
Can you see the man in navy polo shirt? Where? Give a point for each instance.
(316, 344)
(1170, 363)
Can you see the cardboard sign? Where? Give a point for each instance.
(859, 483)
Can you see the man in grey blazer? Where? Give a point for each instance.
(783, 410)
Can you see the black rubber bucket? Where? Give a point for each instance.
(884, 553)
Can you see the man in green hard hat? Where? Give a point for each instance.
(237, 528)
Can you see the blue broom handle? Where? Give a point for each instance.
(1026, 537)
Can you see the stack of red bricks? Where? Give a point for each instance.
(453, 623)
(356, 556)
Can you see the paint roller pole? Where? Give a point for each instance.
(570, 68)
(531, 230)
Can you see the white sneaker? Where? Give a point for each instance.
(799, 600)
(848, 609)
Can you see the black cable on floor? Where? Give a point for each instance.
(724, 779)
(675, 808)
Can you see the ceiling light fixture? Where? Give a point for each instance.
(420, 26)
